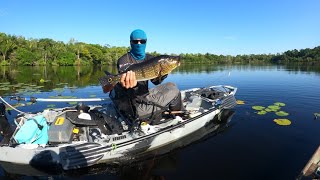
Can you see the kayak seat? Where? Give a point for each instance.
(106, 124)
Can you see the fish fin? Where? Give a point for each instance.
(108, 82)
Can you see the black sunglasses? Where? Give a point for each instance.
(142, 41)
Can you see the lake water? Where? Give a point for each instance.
(250, 146)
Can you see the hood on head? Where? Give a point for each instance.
(138, 50)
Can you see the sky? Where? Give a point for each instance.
(226, 27)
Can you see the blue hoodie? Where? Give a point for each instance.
(138, 50)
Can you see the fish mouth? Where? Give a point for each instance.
(177, 58)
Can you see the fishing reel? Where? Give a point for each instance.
(19, 98)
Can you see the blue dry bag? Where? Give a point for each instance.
(33, 131)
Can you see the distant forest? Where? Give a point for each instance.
(16, 50)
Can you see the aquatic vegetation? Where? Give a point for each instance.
(17, 85)
(59, 84)
(15, 106)
(279, 104)
(4, 89)
(62, 97)
(72, 87)
(274, 107)
(58, 89)
(282, 113)
(258, 108)
(240, 102)
(268, 110)
(282, 122)
(5, 83)
(261, 110)
(51, 105)
(73, 103)
(20, 88)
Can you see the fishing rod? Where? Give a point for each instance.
(34, 99)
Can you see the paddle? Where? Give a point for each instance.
(33, 99)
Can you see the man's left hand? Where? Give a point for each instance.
(128, 80)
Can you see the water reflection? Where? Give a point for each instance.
(161, 163)
(15, 80)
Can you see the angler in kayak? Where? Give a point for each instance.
(131, 95)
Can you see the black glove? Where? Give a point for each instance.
(157, 81)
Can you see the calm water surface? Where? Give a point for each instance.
(250, 146)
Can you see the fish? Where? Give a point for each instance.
(146, 70)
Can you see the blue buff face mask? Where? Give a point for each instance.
(138, 49)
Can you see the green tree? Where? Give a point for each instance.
(6, 45)
(25, 57)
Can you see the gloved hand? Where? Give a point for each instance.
(157, 81)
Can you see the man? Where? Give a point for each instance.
(135, 99)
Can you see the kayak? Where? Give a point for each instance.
(77, 137)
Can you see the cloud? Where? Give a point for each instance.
(230, 38)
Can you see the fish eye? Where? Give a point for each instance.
(110, 79)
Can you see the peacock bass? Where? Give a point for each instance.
(146, 70)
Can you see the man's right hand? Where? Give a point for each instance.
(128, 80)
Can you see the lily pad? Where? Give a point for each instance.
(240, 102)
(274, 108)
(279, 104)
(58, 89)
(51, 105)
(17, 85)
(5, 89)
(282, 122)
(262, 112)
(72, 87)
(73, 103)
(258, 108)
(282, 113)
(268, 110)
(29, 103)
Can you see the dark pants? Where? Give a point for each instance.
(161, 95)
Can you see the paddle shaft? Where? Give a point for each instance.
(33, 99)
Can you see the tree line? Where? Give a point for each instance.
(17, 50)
